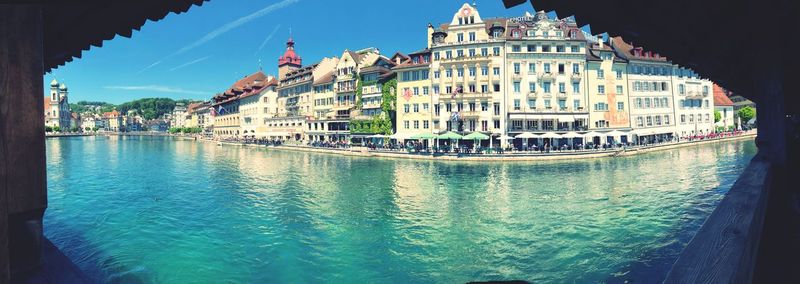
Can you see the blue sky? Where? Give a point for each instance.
(197, 54)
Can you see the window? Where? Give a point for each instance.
(515, 48)
(574, 48)
(484, 125)
(649, 121)
(484, 88)
(639, 121)
(416, 107)
(562, 104)
(496, 71)
(471, 52)
(560, 68)
(460, 72)
(436, 56)
(547, 68)
(664, 86)
(472, 71)
(496, 87)
(657, 118)
(516, 104)
(531, 103)
(436, 90)
(436, 74)
(416, 91)
(425, 124)
(531, 68)
(517, 87)
(547, 104)
(472, 36)
(484, 106)
(600, 74)
(460, 53)
(497, 109)
(448, 73)
(601, 89)
(545, 48)
(665, 102)
(496, 124)
(576, 88)
(532, 87)
(562, 88)
(484, 51)
(560, 48)
(705, 103)
(416, 124)
(576, 104)
(460, 37)
(576, 69)
(619, 90)
(619, 74)
(647, 102)
(448, 89)
(471, 88)
(601, 107)
(646, 86)
(496, 51)
(406, 108)
(516, 68)
(484, 70)
(620, 106)
(436, 109)
(681, 89)
(691, 118)
(425, 90)
(531, 48)
(448, 54)
(638, 102)
(546, 87)
(425, 107)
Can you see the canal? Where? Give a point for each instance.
(158, 210)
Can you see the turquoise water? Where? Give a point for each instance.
(155, 210)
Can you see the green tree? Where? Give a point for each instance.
(95, 128)
(74, 129)
(56, 128)
(87, 129)
(359, 103)
(717, 116)
(746, 113)
(48, 129)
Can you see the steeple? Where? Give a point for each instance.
(289, 61)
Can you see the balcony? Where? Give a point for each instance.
(476, 95)
(344, 89)
(576, 77)
(533, 95)
(561, 95)
(546, 76)
(473, 113)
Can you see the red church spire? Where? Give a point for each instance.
(290, 57)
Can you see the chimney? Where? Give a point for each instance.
(430, 35)
(600, 43)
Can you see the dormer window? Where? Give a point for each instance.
(515, 33)
(496, 33)
(573, 34)
(545, 34)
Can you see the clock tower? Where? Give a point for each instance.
(289, 61)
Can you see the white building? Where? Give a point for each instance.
(256, 105)
(56, 107)
(650, 88)
(724, 106)
(178, 115)
(694, 110)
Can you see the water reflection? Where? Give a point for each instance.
(163, 210)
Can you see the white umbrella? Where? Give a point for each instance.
(526, 135)
(377, 136)
(550, 135)
(571, 134)
(506, 137)
(593, 134)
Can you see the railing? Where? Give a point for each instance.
(725, 248)
(576, 76)
(546, 76)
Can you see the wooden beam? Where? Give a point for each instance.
(725, 248)
(22, 152)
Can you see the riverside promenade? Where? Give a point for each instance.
(358, 151)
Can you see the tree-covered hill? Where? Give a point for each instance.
(149, 108)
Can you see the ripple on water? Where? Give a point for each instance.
(157, 210)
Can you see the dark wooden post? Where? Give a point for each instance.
(23, 180)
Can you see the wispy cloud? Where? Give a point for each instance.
(189, 63)
(226, 28)
(149, 66)
(156, 88)
(269, 37)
